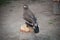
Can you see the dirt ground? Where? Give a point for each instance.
(11, 21)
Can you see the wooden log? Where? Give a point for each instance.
(26, 33)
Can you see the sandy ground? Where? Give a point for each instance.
(11, 21)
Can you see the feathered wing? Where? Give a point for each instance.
(29, 16)
(31, 19)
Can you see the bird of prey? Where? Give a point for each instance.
(30, 18)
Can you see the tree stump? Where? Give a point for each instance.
(27, 35)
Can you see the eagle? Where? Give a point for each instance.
(30, 19)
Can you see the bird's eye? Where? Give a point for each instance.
(36, 24)
(24, 6)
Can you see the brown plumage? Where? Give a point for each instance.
(29, 17)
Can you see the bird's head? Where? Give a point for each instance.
(36, 28)
(25, 6)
